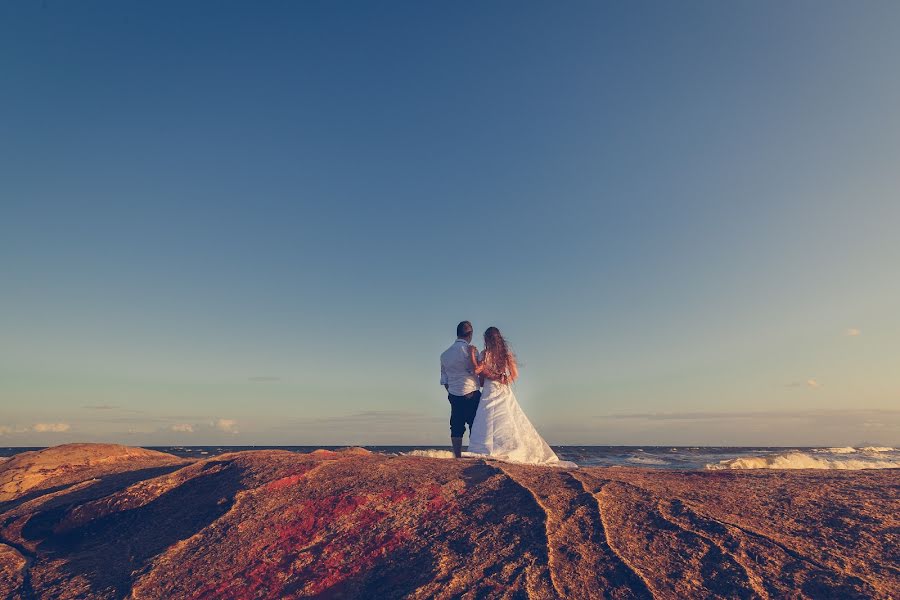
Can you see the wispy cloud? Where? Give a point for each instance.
(686, 416)
(791, 427)
(136, 417)
(227, 425)
(264, 378)
(99, 406)
(51, 427)
(183, 428)
(810, 383)
(721, 415)
(376, 417)
(853, 332)
(366, 427)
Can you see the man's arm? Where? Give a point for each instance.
(444, 381)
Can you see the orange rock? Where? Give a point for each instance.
(115, 522)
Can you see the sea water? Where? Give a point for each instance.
(718, 458)
(654, 457)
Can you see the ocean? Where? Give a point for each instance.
(654, 457)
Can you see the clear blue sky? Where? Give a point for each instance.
(259, 223)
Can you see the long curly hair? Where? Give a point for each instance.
(497, 354)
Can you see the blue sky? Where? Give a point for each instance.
(256, 224)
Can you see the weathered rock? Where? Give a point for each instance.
(70, 463)
(13, 569)
(274, 524)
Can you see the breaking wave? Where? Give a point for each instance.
(818, 459)
(562, 464)
(846, 450)
(646, 460)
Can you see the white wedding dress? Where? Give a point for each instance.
(502, 431)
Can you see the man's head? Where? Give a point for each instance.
(464, 331)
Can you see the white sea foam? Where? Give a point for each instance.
(802, 460)
(646, 460)
(430, 453)
(563, 464)
(874, 449)
(845, 450)
(434, 453)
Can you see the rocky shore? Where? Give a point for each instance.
(104, 521)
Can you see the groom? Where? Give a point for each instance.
(458, 378)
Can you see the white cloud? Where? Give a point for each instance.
(227, 425)
(183, 428)
(6, 429)
(854, 332)
(51, 427)
(813, 383)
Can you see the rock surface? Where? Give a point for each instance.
(100, 521)
(63, 465)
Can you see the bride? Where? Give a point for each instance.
(501, 430)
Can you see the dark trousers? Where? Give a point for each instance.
(462, 412)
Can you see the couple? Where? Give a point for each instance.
(498, 428)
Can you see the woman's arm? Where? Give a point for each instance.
(513, 369)
(473, 356)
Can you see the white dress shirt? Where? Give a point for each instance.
(457, 372)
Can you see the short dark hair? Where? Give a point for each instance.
(464, 329)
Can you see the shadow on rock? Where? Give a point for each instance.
(108, 549)
(395, 576)
(104, 486)
(477, 473)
